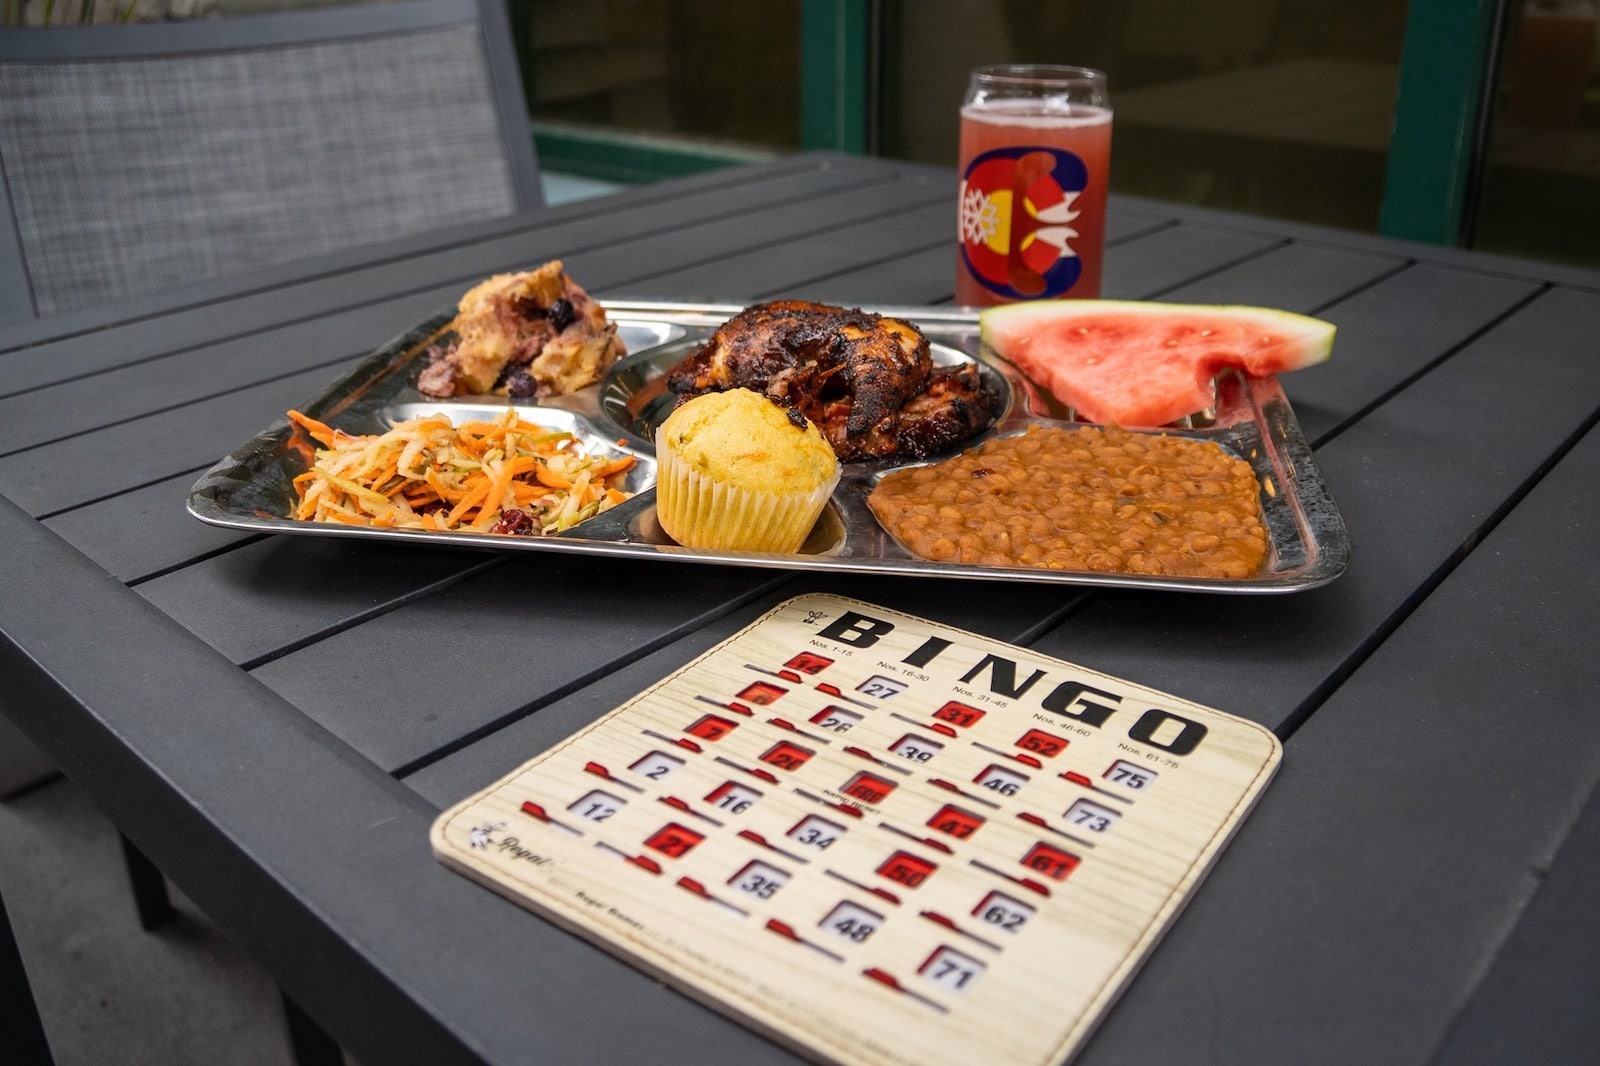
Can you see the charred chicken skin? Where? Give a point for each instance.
(867, 381)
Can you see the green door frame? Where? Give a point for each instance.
(835, 83)
(1447, 69)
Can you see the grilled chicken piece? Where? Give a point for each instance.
(784, 348)
(955, 405)
(530, 334)
(854, 373)
(888, 364)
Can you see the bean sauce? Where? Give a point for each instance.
(1091, 498)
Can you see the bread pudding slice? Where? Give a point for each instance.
(530, 334)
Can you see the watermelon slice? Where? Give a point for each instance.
(1147, 364)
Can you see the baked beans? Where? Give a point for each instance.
(1091, 498)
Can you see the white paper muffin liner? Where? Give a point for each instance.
(701, 512)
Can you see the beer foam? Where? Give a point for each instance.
(1036, 114)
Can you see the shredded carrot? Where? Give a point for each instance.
(320, 431)
(425, 473)
(549, 477)
(468, 501)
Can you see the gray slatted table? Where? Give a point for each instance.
(275, 721)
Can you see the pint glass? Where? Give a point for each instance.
(1035, 159)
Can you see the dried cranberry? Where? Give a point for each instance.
(562, 314)
(515, 521)
(520, 384)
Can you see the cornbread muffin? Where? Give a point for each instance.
(737, 472)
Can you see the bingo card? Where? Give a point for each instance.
(874, 838)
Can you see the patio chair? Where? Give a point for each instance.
(136, 159)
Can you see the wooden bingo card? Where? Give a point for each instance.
(876, 839)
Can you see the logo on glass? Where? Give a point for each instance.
(1017, 209)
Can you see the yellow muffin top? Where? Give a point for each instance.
(742, 438)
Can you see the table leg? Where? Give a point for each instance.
(149, 884)
(309, 1043)
(25, 1041)
(22, 766)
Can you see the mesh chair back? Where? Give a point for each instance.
(141, 158)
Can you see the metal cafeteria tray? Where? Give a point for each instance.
(252, 488)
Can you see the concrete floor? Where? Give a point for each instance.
(108, 992)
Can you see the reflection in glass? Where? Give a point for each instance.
(1541, 176)
(726, 70)
(1257, 105)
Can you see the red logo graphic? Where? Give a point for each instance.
(1017, 209)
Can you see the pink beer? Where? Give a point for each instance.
(1035, 162)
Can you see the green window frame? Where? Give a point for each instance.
(1447, 66)
(836, 51)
